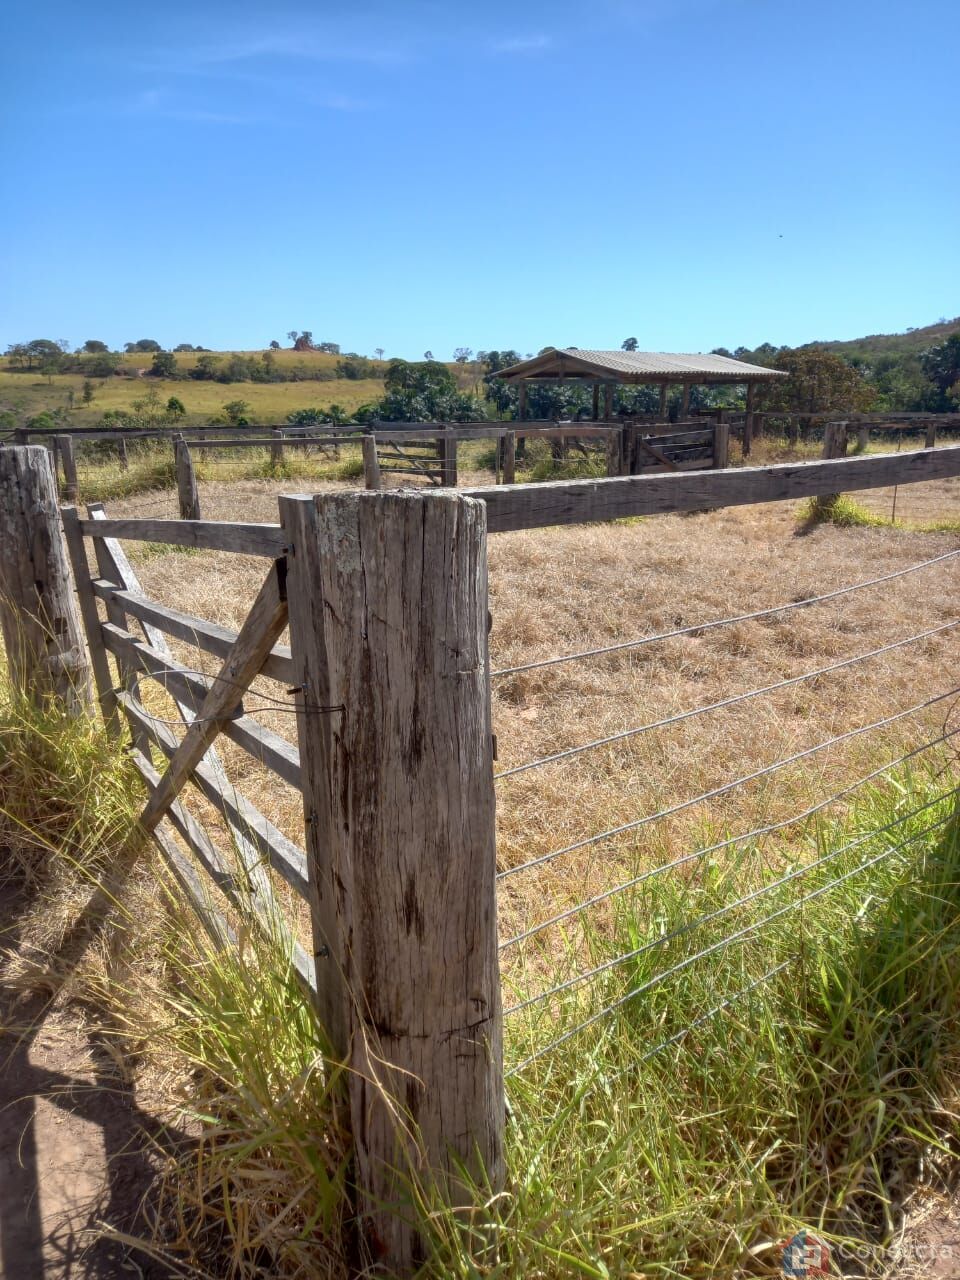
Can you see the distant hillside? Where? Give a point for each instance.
(911, 342)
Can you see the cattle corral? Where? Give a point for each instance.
(584, 587)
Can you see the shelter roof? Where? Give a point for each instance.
(636, 366)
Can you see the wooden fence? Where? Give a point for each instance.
(385, 597)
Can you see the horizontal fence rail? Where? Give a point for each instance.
(559, 502)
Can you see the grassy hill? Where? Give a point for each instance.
(27, 392)
(911, 342)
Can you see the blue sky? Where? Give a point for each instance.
(424, 175)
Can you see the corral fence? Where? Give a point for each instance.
(388, 678)
(423, 451)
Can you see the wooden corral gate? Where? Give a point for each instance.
(386, 599)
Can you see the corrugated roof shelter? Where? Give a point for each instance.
(607, 368)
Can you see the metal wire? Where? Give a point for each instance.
(719, 1008)
(722, 844)
(738, 782)
(724, 702)
(690, 926)
(695, 629)
(724, 942)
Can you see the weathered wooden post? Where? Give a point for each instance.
(509, 457)
(721, 443)
(863, 437)
(835, 440)
(187, 490)
(388, 621)
(371, 463)
(834, 446)
(122, 451)
(71, 488)
(930, 438)
(38, 612)
(615, 451)
(276, 447)
(447, 455)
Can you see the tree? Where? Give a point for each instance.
(103, 365)
(307, 417)
(274, 345)
(378, 352)
(302, 341)
(293, 334)
(462, 355)
(206, 368)
(142, 344)
(235, 412)
(428, 355)
(164, 365)
(941, 364)
(176, 408)
(329, 348)
(819, 382)
(87, 391)
(93, 347)
(629, 344)
(186, 346)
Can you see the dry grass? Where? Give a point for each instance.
(562, 590)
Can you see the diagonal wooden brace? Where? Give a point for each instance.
(258, 635)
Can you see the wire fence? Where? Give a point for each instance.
(813, 842)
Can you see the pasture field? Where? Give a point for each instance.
(774, 1116)
(270, 402)
(28, 392)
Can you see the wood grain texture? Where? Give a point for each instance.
(260, 631)
(87, 601)
(71, 485)
(42, 631)
(208, 535)
(534, 506)
(242, 891)
(190, 689)
(284, 856)
(188, 493)
(371, 463)
(209, 637)
(388, 615)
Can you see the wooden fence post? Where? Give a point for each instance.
(930, 438)
(388, 621)
(615, 451)
(835, 440)
(122, 451)
(276, 447)
(71, 488)
(447, 453)
(38, 611)
(187, 490)
(863, 437)
(509, 457)
(721, 445)
(371, 463)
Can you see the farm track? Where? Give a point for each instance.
(77, 1153)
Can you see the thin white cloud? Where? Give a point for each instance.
(522, 44)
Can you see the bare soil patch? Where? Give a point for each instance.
(78, 1148)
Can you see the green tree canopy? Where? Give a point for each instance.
(819, 381)
(164, 365)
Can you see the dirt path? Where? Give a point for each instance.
(73, 1152)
